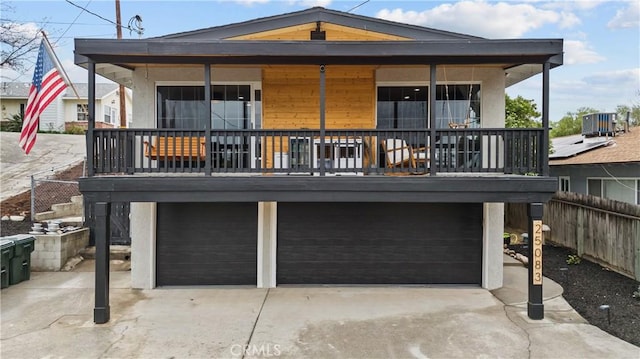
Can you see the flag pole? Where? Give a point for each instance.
(55, 59)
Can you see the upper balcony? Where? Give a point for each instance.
(298, 152)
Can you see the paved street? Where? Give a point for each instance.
(51, 151)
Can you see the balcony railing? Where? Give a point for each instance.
(306, 152)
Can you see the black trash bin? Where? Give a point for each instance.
(7, 250)
(21, 262)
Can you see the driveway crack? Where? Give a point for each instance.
(506, 313)
(256, 322)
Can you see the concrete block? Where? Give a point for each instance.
(43, 216)
(77, 200)
(52, 251)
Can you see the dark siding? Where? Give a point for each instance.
(206, 243)
(379, 243)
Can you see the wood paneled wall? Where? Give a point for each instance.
(333, 33)
(291, 98)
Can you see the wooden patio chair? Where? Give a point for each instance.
(399, 154)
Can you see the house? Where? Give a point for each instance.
(67, 110)
(603, 166)
(288, 150)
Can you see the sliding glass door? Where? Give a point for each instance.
(233, 107)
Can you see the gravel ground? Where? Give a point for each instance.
(588, 285)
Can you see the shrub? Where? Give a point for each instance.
(14, 124)
(75, 130)
(573, 259)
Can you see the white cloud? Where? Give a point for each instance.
(619, 78)
(28, 29)
(310, 3)
(580, 52)
(568, 20)
(493, 20)
(572, 5)
(251, 2)
(626, 18)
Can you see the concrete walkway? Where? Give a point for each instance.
(51, 151)
(51, 316)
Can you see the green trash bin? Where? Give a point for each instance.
(6, 248)
(21, 262)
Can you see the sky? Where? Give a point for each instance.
(601, 38)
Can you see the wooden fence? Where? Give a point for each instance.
(599, 229)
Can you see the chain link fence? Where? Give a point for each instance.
(55, 186)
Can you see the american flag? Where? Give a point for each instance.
(46, 86)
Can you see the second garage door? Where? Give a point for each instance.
(379, 243)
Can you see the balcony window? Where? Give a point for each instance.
(458, 104)
(402, 107)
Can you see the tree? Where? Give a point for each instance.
(571, 123)
(634, 118)
(18, 41)
(521, 113)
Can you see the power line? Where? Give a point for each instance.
(357, 6)
(136, 20)
(74, 20)
(59, 23)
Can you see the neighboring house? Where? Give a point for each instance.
(67, 110)
(273, 151)
(107, 106)
(601, 166)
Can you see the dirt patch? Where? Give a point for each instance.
(588, 285)
(48, 192)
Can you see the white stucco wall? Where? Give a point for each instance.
(143, 245)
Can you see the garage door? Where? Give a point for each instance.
(206, 243)
(379, 243)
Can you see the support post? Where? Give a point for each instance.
(544, 151)
(207, 127)
(91, 117)
(535, 308)
(322, 120)
(432, 121)
(101, 312)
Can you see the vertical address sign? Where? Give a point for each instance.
(537, 252)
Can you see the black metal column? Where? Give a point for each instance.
(535, 308)
(544, 150)
(432, 121)
(322, 121)
(101, 312)
(91, 117)
(207, 128)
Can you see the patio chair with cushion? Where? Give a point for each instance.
(399, 154)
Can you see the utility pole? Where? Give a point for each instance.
(123, 108)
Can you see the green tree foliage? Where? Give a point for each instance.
(571, 123)
(521, 113)
(634, 118)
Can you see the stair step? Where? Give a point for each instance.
(115, 252)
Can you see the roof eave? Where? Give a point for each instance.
(259, 52)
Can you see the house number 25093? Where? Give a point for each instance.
(537, 252)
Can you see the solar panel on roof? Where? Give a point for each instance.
(574, 149)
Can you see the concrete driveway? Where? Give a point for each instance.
(51, 316)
